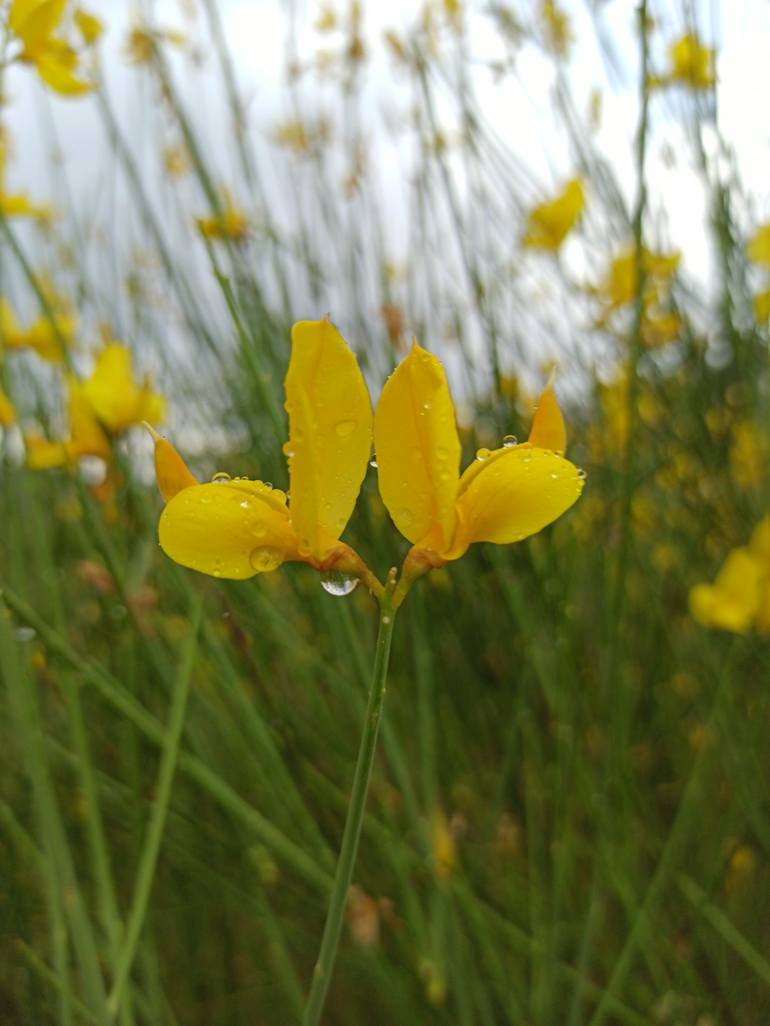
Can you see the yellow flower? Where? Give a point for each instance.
(238, 528)
(556, 27)
(89, 26)
(86, 436)
(619, 285)
(7, 411)
(504, 496)
(227, 223)
(758, 248)
(33, 23)
(732, 601)
(105, 404)
(45, 338)
(691, 64)
(762, 307)
(117, 399)
(549, 223)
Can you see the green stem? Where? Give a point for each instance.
(355, 815)
(157, 825)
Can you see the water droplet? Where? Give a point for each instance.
(442, 454)
(509, 441)
(405, 516)
(582, 474)
(426, 406)
(386, 619)
(555, 477)
(260, 530)
(343, 428)
(265, 558)
(482, 454)
(287, 450)
(221, 477)
(245, 504)
(373, 461)
(337, 582)
(268, 484)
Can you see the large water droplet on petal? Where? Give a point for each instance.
(482, 454)
(343, 428)
(509, 441)
(265, 558)
(337, 582)
(221, 477)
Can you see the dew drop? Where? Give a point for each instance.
(405, 516)
(582, 474)
(268, 484)
(386, 619)
(482, 454)
(343, 428)
(509, 441)
(442, 454)
(221, 477)
(265, 558)
(336, 582)
(245, 504)
(555, 477)
(373, 461)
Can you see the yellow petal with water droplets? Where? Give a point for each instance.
(234, 529)
(732, 601)
(548, 430)
(418, 450)
(514, 493)
(330, 433)
(171, 471)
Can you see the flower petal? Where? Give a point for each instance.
(514, 493)
(171, 471)
(732, 602)
(548, 430)
(418, 450)
(232, 529)
(330, 433)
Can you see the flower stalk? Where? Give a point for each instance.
(346, 862)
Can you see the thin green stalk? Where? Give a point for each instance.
(148, 861)
(355, 816)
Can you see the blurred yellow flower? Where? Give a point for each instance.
(117, 399)
(758, 247)
(739, 598)
(556, 28)
(47, 339)
(762, 307)
(34, 23)
(86, 436)
(229, 223)
(106, 403)
(7, 411)
(505, 495)
(89, 26)
(690, 64)
(732, 601)
(619, 284)
(748, 454)
(548, 224)
(238, 528)
(142, 40)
